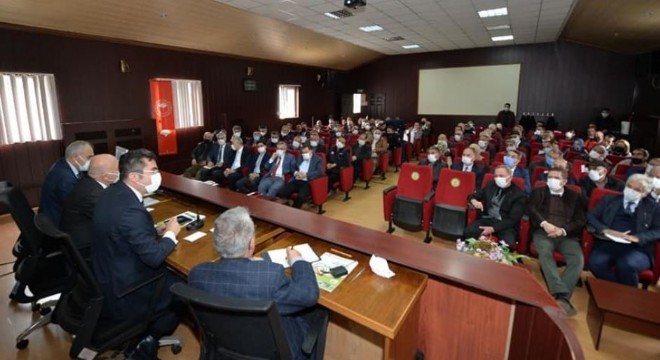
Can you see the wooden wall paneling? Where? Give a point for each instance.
(470, 324)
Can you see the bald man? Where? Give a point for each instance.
(78, 210)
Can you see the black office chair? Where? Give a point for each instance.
(39, 265)
(240, 329)
(78, 310)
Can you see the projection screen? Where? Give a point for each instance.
(474, 90)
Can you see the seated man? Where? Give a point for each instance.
(638, 160)
(654, 175)
(433, 160)
(338, 158)
(199, 155)
(78, 210)
(560, 163)
(598, 178)
(278, 167)
(257, 167)
(128, 250)
(234, 172)
(62, 177)
(361, 151)
(316, 143)
(557, 217)
(485, 144)
(379, 145)
(500, 207)
(467, 164)
(309, 168)
(239, 275)
(220, 157)
(633, 217)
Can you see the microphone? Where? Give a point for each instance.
(198, 222)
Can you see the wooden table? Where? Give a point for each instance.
(621, 306)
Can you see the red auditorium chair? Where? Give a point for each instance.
(577, 169)
(537, 173)
(486, 156)
(587, 237)
(345, 183)
(367, 171)
(408, 204)
(383, 164)
(318, 192)
(295, 153)
(572, 155)
(450, 203)
(651, 276)
(397, 152)
(615, 159)
(535, 147)
(621, 170)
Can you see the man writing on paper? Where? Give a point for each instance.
(237, 274)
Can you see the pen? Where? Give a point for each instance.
(341, 252)
(358, 275)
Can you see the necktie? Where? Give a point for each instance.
(222, 154)
(257, 166)
(277, 166)
(465, 168)
(629, 209)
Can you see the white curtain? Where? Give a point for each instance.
(187, 98)
(28, 108)
(288, 101)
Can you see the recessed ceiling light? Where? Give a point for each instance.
(331, 15)
(502, 38)
(498, 27)
(493, 12)
(371, 28)
(413, 46)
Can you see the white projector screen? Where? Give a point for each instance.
(475, 90)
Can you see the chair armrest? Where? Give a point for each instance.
(318, 325)
(429, 196)
(523, 235)
(389, 194)
(390, 188)
(142, 284)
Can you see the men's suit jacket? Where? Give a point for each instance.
(126, 251)
(59, 182)
(228, 157)
(78, 212)
(245, 157)
(245, 278)
(253, 162)
(437, 166)
(647, 214)
(288, 164)
(477, 169)
(573, 209)
(523, 174)
(315, 169)
(512, 208)
(588, 186)
(362, 152)
(339, 157)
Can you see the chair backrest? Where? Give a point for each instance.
(415, 181)
(486, 156)
(23, 216)
(621, 169)
(615, 159)
(537, 173)
(236, 328)
(577, 168)
(597, 194)
(488, 177)
(454, 186)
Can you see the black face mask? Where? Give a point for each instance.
(619, 150)
(207, 141)
(636, 161)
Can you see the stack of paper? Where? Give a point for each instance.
(328, 261)
(278, 256)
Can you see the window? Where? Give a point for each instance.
(357, 103)
(186, 103)
(29, 109)
(288, 101)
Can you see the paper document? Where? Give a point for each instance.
(278, 256)
(322, 268)
(149, 201)
(210, 182)
(617, 239)
(195, 236)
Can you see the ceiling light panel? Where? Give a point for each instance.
(493, 12)
(371, 28)
(502, 38)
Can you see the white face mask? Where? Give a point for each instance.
(355, 132)
(594, 154)
(457, 137)
(295, 144)
(261, 149)
(510, 148)
(116, 177)
(367, 127)
(466, 160)
(274, 140)
(656, 183)
(538, 132)
(594, 175)
(338, 133)
(314, 143)
(362, 142)
(303, 138)
(569, 135)
(155, 183)
(631, 195)
(307, 156)
(377, 137)
(263, 133)
(237, 133)
(432, 158)
(280, 152)
(501, 182)
(340, 145)
(649, 167)
(554, 184)
(85, 165)
(221, 142)
(233, 147)
(482, 144)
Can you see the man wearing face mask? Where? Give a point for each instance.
(598, 152)
(551, 156)
(598, 178)
(236, 131)
(511, 161)
(591, 140)
(278, 167)
(361, 151)
(338, 158)
(127, 249)
(654, 175)
(557, 217)
(467, 164)
(637, 162)
(379, 145)
(309, 168)
(500, 206)
(634, 219)
(506, 117)
(485, 144)
(315, 142)
(433, 159)
(607, 123)
(457, 138)
(234, 172)
(220, 158)
(199, 155)
(286, 135)
(78, 210)
(257, 167)
(62, 177)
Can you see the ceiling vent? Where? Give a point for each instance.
(342, 14)
(395, 38)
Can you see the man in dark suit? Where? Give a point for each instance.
(338, 158)
(239, 275)
(278, 167)
(598, 178)
(199, 155)
(309, 168)
(361, 151)
(500, 207)
(62, 177)
(220, 157)
(127, 249)
(467, 164)
(511, 161)
(234, 171)
(633, 217)
(433, 160)
(557, 217)
(506, 117)
(78, 210)
(257, 167)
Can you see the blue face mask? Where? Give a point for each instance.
(509, 162)
(550, 161)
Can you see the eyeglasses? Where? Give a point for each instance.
(156, 171)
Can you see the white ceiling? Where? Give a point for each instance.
(434, 25)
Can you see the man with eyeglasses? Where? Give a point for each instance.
(127, 250)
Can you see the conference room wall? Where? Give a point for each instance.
(572, 81)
